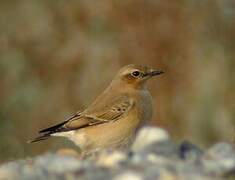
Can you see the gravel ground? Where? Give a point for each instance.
(152, 156)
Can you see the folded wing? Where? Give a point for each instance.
(117, 108)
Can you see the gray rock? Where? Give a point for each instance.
(165, 148)
(220, 159)
(49, 165)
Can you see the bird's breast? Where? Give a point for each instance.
(144, 106)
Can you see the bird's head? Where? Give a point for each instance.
(136, 75)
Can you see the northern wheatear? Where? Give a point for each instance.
(112, 120)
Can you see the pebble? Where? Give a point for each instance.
(149, 135)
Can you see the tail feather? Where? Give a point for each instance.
(39, 138)
(53, 128)
(46, 133)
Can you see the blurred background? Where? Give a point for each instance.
(57, 56)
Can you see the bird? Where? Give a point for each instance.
(114, 117)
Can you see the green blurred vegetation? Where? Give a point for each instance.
(57, 56)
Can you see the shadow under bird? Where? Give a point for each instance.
(112, 120)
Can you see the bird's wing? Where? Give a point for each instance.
(99, 114)
(103, 113)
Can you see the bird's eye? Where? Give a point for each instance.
(136, 73)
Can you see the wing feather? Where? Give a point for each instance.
(117, 108)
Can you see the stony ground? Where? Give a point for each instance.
(152, 156)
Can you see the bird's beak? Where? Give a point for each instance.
(154, 72)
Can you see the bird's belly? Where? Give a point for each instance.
(116, 134)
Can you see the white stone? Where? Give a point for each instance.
(111, 160)
(128, 176)
(149, 135)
